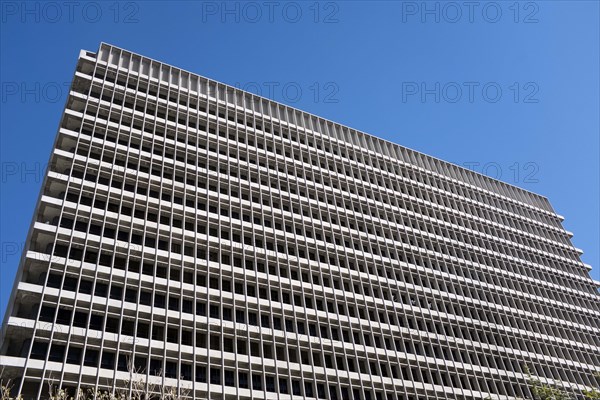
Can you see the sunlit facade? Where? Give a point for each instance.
(233, 247)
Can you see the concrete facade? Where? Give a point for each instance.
(235, 247)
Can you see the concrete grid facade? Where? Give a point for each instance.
(240, 248)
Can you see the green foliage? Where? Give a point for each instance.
(542, 391)
(593, 394)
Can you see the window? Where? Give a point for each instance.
(74, 355)
(91, 358)
(308, 389)
(214, 311)
(108, 360)
(283, 386)
(243, 380)
(200, 373)
(229, 378)
(215, 376)
(39, 350)
(256, 382)
(270, 383)
(241, 347)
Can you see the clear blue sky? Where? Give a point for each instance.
(513, 89)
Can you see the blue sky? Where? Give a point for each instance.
(510, 89)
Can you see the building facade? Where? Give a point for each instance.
(203, 238)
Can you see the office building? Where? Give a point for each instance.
(202, 238)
